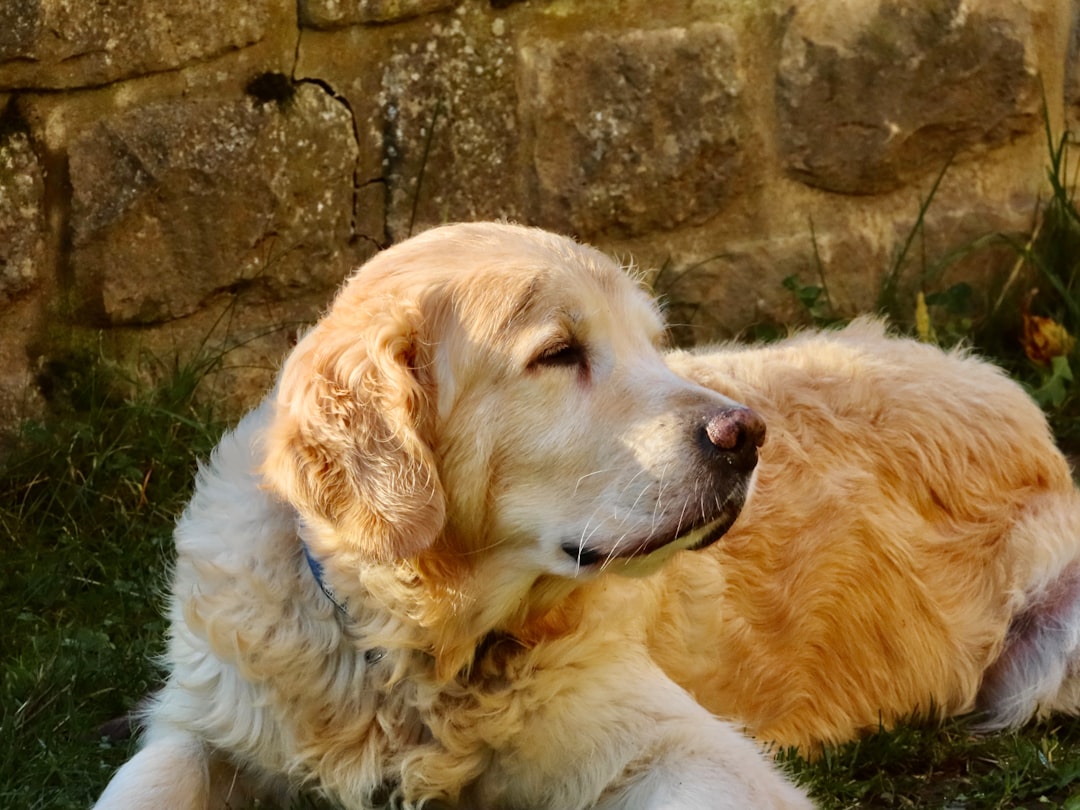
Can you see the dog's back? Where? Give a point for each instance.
(912, 523)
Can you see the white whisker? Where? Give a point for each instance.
(659, 499)
(589, 475)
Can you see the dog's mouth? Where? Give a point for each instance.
(700, 534)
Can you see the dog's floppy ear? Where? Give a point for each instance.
(355, 401)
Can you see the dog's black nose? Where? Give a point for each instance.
(734, 435)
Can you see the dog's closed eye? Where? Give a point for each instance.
(562, 354)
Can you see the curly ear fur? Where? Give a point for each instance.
(346, 446)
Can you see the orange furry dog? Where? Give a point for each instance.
(398, 578)
(912, 547)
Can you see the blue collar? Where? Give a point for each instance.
(317, 572)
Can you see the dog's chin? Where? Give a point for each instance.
(646, 555)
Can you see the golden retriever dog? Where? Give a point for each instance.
(486, 545)
(397, 580)
(911, 548)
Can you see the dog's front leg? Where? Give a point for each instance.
(621, 736)
(696, 762)
(175, 771)
(171, 771)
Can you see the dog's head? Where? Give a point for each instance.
(498, 390)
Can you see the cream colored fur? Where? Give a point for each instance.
(501, 477)
(473, 443)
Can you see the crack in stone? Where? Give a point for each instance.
(358, 184)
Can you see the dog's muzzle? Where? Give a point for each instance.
(728, 442)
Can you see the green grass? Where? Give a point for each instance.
(948, 767)
(87, 504)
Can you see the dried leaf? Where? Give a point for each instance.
(1044, 339)
(923, 327)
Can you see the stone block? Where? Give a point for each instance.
(19, 395)
(238, 342)
(22, 215)
(959, 242)
(632, 131)
(61, 43)
(443, 124)
(873, 93)
(715, 289)
(341, 13)
(178, 201)
(709, 296)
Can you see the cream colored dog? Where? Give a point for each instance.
(397, 579)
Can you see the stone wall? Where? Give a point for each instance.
(179, 178)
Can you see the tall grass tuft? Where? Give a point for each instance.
(88, 498)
